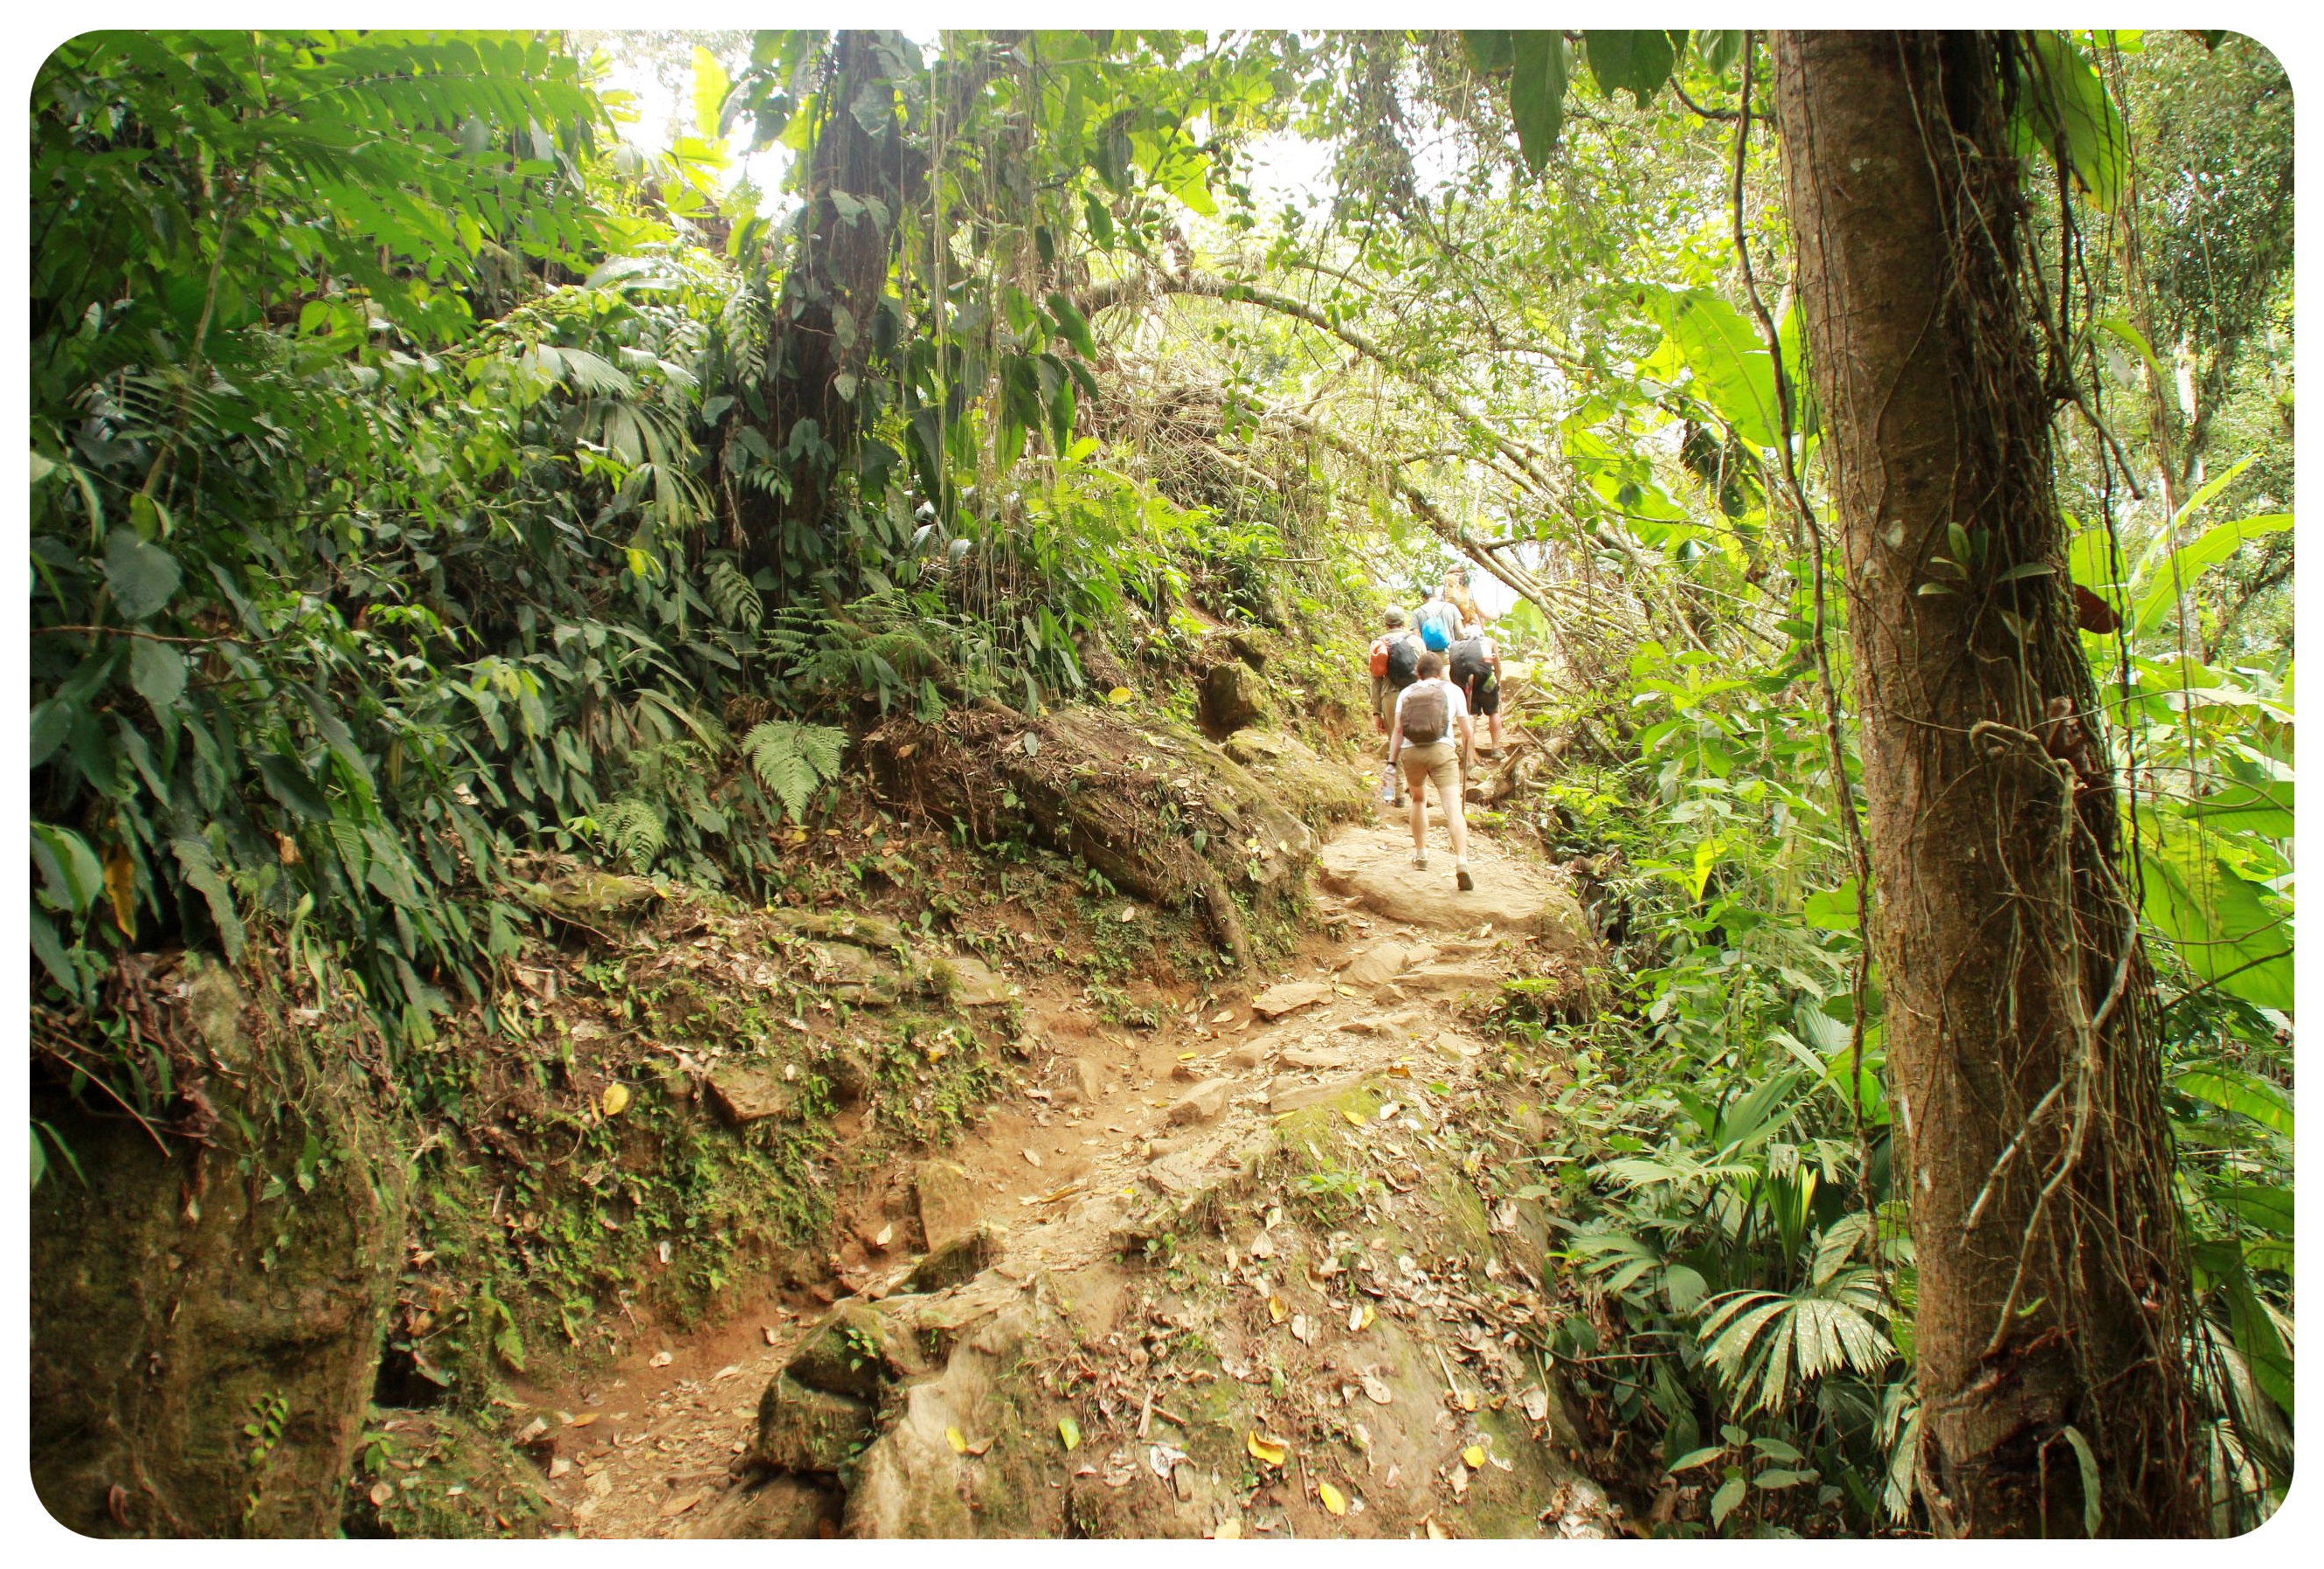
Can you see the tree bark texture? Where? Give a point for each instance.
(2018, 1022)
(825, 320)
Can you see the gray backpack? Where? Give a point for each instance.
(1426, 712)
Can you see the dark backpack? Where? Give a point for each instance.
(1470, 668)
(1402, 660)
(1425, 714)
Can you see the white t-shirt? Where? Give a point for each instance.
(1456, 708)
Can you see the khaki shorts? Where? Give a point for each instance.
(1438, 762)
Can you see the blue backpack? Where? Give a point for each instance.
(1436, 621)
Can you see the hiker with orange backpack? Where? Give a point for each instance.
(1395, 665)
(1428, 714)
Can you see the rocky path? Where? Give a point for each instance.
(1261, 1332)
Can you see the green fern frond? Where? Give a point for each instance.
(731, 595)
(632, 830)
(792, 760)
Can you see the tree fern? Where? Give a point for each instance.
(793, 760)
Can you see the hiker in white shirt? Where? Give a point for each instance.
(1428, 714)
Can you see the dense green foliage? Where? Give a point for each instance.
(425, 487)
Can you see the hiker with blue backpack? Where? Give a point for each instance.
(1438, 622)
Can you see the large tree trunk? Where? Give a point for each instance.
(2018, 1009)
(824, 327)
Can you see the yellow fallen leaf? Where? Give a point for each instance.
(1266, 1450)
(1188, 1055)
(1332, 1499)
(1475, 1456)
(1343, 991)
(1228, 1531)
(1276, 1310)
(1069, 1434)
(957, 1439)
(1436, 1531)
(1351, 1117)
(616, 1096)
(1120, 695)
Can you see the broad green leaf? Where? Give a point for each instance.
(710, 88)
(1637, 61)
(2220, 924)
(2119, 328)
(1694, 1457)
(2183, 567)
(1834, 908)
(2264, 809)
(287, 781)
(1537, 94)
(2267, 1207)
(2233, 1090)
(2093, 1512)
(142, 576)
(1491, 49)
(1720, 47)
(1723, 1501)
(51, 722)
(2067, 103)
(67, 866)
(157, 670)
(1728, 357)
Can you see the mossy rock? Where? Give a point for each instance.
(463, 1481)
(180, 1297)
(589, 896)
(808, 1430)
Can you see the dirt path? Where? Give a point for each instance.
(1120, 1123)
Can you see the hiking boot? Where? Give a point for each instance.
(1460, 875)
(1420, 860)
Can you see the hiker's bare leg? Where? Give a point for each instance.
(1419, 815)
(1455, 824)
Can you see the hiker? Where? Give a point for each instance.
(1395, 665)
(1437, 622)
(1474, 664)
(1428, 714)
(1457, 595)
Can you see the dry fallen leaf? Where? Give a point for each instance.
(583, 1420)
(1436, 1531)
(380, 1493)
(1376, 1390)
(616, 1097)
(682, 1502)
(1332, 1499)
(660, 1359)
(1276, 1310)
(887, 1234)
(1032, 1158)
(1360, 1318)
(559, 1467)
(728, 1372)
(1228, 1531)
(1224, 1016)
(1271, 1451)
(980, 1446)
(768, 1330)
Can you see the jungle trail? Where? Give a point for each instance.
(710, 854)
